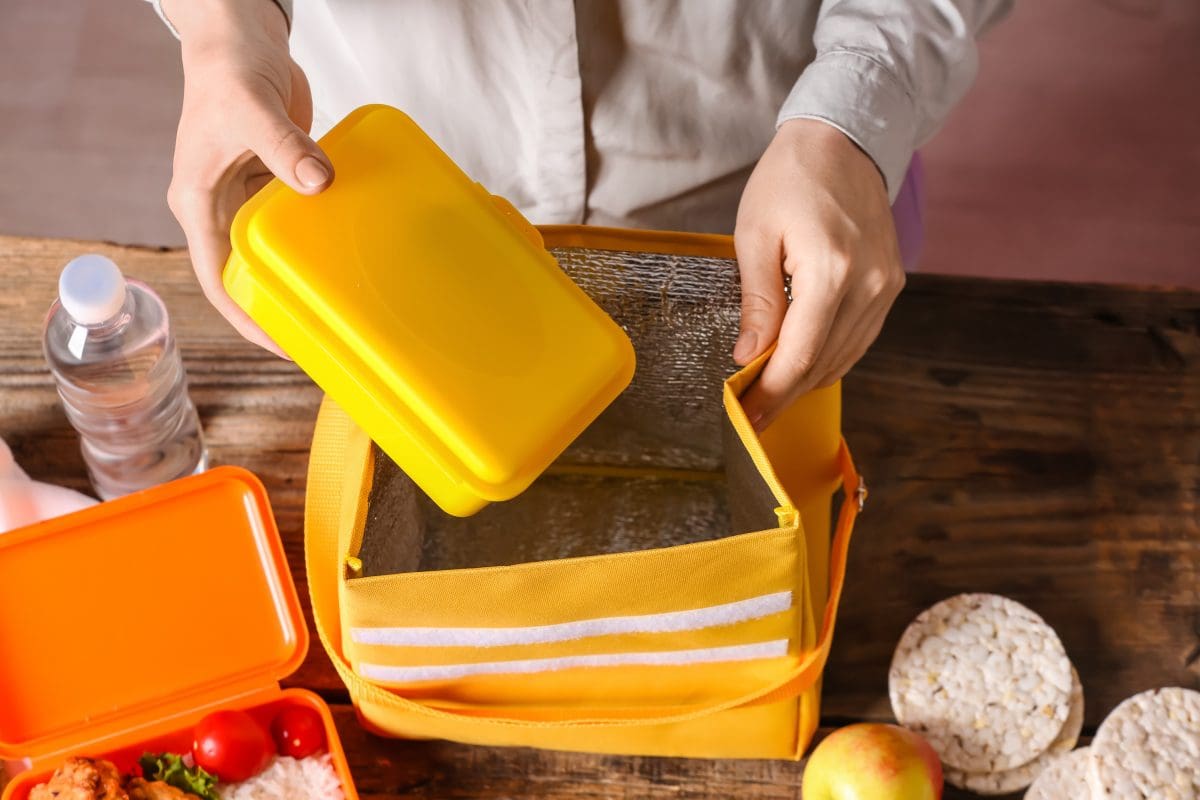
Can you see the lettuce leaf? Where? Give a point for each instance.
(170, 768)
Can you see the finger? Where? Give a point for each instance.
(816, 300)
(214, 290)
(300, 109)
(856, 310)
(872, 300)
(764, 302)
(865, 334)
(209, 248)
(285, 149)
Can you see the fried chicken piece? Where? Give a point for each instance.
(141, 789)
(82, 779)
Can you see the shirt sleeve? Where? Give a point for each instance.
(284, 5)
(888, 72)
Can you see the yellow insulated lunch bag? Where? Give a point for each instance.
(668, 587)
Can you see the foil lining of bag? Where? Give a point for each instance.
(651, 471)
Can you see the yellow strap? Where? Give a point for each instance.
(324, 552)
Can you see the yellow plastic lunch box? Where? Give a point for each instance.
(430, 311)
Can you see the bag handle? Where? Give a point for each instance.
(325, 545)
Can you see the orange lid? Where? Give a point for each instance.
(119, 617)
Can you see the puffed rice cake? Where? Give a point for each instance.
(1148, 748)
(1064, 778)
(984, 679)
(1012, 780)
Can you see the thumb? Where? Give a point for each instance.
(287, 150)
(763, 299)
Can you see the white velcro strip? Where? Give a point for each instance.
(667, 658)
(669, 622)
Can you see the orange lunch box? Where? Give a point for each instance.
(124, 624)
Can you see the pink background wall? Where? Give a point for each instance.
(1076, 155)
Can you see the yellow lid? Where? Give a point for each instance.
(429, 310)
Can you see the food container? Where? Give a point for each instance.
(124, 624)
(430, 311)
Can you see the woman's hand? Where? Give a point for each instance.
(247, 109)
(816, 210)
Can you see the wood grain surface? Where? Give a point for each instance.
(1037, 440)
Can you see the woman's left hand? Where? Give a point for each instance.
(816, 210)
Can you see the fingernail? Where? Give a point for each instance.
(311, 172)
(745, 345)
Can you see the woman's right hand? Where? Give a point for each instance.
(247, 109)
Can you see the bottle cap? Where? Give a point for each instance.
(91, 289)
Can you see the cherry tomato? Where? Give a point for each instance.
(298, 732)
(232, 746)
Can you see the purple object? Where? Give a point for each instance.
(909, 213)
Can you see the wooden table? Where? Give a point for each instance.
(1036, 440)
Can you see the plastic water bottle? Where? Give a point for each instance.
(122, 384)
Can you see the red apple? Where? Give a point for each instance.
(872, 761)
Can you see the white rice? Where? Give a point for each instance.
(287, 778)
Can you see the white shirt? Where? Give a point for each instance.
(640, 113)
